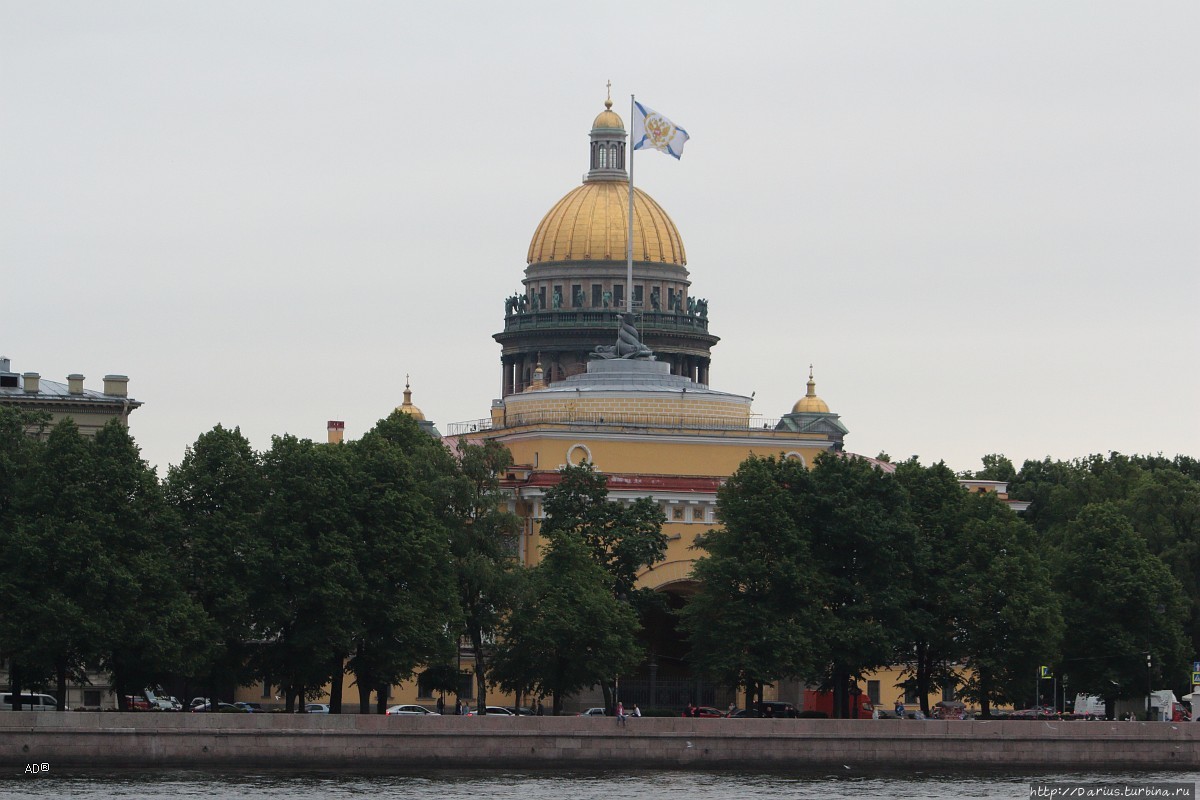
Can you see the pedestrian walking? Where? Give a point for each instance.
(458, 708)
(441, 704)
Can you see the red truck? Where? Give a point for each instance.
(822, 702)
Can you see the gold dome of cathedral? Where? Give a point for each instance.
(589, 224)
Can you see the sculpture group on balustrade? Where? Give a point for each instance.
(522, 303)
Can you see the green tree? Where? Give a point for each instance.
(861, 540)
(484, 547)
(307, 603)
(403, 612)
(568, 630)
(1123, 605)
(757, 615)
(623, 539)
(1008, 618)
(150, 626)
(1163, 506)
(936, 506)
(217, 491)
(996, 467)
(49, 548)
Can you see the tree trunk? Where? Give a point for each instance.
(609, 704)
(14, 680)
(364, 697)
(381, 700)
(557, 700)
(60, 690)
(480, 671)
(923, 676)
(840, 706)
(335, 686)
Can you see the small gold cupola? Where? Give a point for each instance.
(407, 406)
(810, 402)
(539, 378)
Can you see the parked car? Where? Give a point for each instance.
(769, 709)
(499, 711)
(227, 708)
(746, 713)
(592, 712)
(521, 711)
(160, 701)
(135, 702)
(408, 711)
(708, 712)
(256, 708)
(29, 702)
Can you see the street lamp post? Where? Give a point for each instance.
(1149, 685)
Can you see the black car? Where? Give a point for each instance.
(768, 709)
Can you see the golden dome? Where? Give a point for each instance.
(608, 118)
(589, 224)
(810, 402)
(407, 407)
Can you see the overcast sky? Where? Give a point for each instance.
(978, 220)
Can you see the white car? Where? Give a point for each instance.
(316, 708)
(499, 711)
(592, 712)
(408, 711)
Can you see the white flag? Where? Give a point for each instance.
(653, 131)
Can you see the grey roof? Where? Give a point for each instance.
(627, 374)
(55, 391)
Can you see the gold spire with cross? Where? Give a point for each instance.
(810, 402)
(407, 407)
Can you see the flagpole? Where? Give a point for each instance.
(629, 236)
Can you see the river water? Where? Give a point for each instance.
(500, 785)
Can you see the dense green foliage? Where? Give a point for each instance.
(586, 580)
(308, 561)
(825, 575)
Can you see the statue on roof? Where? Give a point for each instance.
(628, 344)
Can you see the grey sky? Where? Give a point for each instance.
(977, 219)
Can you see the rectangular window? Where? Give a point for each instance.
(638, 294)
(948, 693)
(619, 295)
(576, 296)
(873, 692)
(542, 298)
(677, 513)
(597, 295)
(91, 698)
(697, 515)
(910, 694)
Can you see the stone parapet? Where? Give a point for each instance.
(355, 741)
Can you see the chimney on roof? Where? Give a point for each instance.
(116, 385)
(8, 379)
(32, 382)
(75, 383)
(336, 429)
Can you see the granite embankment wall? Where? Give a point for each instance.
(108, 740)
